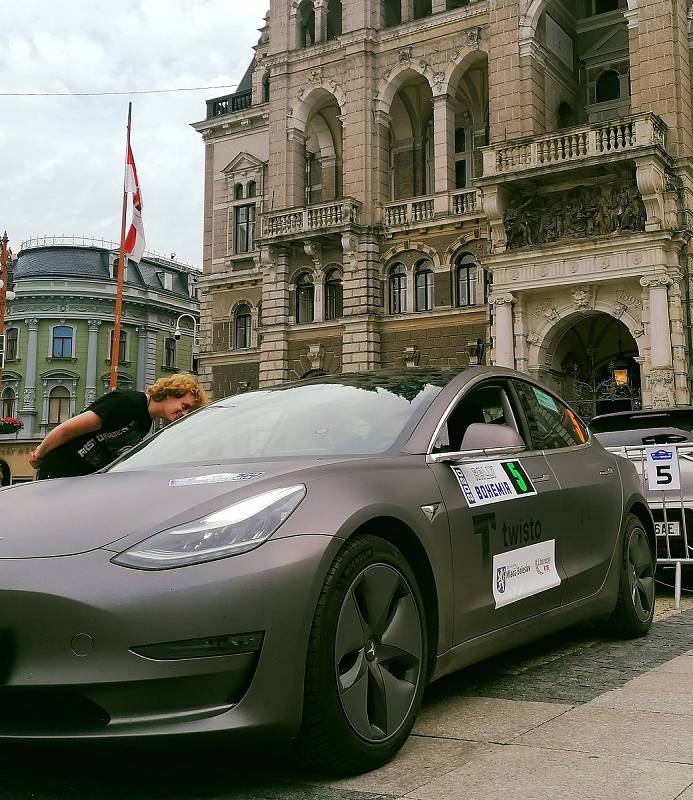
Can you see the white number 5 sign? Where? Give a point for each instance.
(663, 468)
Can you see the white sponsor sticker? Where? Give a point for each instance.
(492, 481)
(525, 572)
(222, 477)
(663, 468)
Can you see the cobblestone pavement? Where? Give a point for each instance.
(510, 727)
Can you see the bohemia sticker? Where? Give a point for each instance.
(492, 482)
(524, 572)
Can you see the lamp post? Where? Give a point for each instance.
(195, 339)
(5, 297)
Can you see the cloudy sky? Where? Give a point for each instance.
(61, 157)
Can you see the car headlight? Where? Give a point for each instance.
(237, 529)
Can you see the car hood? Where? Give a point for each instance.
(117, 509)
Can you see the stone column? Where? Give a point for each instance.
(296, 168)
(382, 131)
(90, 392)
(141, 359)
(660, 333)
(438, 6)
(407, 10)
(678, 340)
(320, 7)
(503, 324)
(28, 410)
(274, 350)
(443, 144)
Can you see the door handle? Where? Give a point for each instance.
(607, 471)
(541, 478)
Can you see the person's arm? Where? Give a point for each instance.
(86, 422)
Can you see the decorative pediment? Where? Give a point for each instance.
(243, 162)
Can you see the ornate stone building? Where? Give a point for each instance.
(431, 181)
(58, 334)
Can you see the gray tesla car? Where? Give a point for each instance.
(300, 562)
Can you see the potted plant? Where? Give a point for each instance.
(10, 425)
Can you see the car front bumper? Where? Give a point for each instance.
(68, 627)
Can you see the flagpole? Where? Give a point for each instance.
(115, 344)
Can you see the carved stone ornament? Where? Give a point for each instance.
(580, 212)
(29, 399)
(581, 298)
(404, 54)
(501, 299)
(89, 396)
(619, 310)
(411, 355)
(472, 37)
(314, 252)
(533, 338)
(653, 281)
(662, 384)
(317, 74)
(315, 355)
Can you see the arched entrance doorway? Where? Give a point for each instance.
(595, 365)
(5, 474)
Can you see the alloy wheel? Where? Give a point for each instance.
(378, 652)
(641, 574)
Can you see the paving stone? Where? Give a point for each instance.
(523, 773)
(638, 700)
(483, 719)
(589, 729)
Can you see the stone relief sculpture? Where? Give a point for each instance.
(574, 213)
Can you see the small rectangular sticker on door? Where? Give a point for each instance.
(524, 572)
(493, 481)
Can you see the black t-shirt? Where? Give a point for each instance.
(125, 422)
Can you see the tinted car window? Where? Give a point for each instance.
(314, 419)
(666, 427)
(485, 404)
(551, 423)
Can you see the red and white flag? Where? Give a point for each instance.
(134, 241)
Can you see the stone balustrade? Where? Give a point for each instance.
(322, 217)
(435, 207)
(575, 144)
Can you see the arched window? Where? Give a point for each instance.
(333, 295)
(423, 281)
(242, 327)
(306, 24)
(122, 344)
(266, 88)
(334, 19)
(11, 339)
(397, 289)
(392, 13)
(465, 280)
(9, 403)
(252, 189)
(58, 405)
(238, 191)
(608, 86)
(422, 8)
(170, 352)
(305, 299)
(62, 341)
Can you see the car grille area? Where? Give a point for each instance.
(26, 711)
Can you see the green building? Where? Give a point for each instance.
(59, 331)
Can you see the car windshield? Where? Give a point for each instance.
(354, 416)
(667, 427)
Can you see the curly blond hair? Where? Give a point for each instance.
(178, 385)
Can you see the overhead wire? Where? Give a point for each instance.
(104, 94)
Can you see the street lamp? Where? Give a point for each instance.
(195, 339)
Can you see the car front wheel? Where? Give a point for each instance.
(367, 659)
(634, 610)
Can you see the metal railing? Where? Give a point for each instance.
(672, 510)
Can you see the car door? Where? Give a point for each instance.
(590, 487)
(501, 509)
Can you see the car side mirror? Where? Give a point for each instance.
(484, 436)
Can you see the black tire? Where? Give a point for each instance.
(367, 660)
(634, 610)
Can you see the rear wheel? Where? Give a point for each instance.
(367, 660)
(634, 610)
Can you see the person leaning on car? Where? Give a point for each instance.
(122, 418)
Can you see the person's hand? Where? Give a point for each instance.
(34, 459)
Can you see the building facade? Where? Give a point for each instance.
(434, 181)
(58, 334)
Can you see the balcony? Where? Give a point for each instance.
(576, 146)
(229, 104)
(434, 208)
(316, 219)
